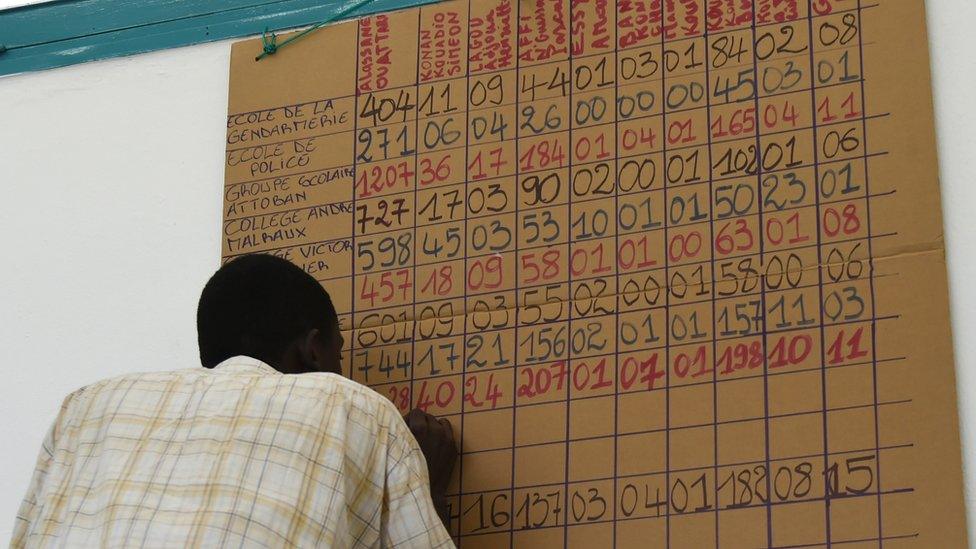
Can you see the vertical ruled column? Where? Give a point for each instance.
(439, 241)
(490, 235)
(736, 206)
(385, 144)
(846, 273)
(592, 275)
(490, 282)
(641, 447)
(541, 273)
(688, 256)
(793, 323)
(739, 392)
(739, 324)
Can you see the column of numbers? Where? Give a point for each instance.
(689, 257)
(737, 265)
(438, 383)
(592, 366)
(793, 342)
(487, 503)
(542, 270)
(384, 264)
(641, 461)
(847, 288)
(738, 393)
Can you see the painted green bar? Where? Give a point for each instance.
(66, 32)
(66, 19)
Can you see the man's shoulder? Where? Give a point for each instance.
(356, 393)
(332, 387)
(131, 379)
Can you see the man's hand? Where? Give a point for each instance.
(436, 440)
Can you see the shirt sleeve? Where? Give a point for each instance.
(410, 518)
(27, 515)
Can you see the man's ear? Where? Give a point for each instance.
(308, 350)
(315, 351)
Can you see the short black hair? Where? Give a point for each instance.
(257, 305)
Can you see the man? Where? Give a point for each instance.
(267, 446)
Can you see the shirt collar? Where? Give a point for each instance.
(245, 365)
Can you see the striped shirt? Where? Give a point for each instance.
(240, 455)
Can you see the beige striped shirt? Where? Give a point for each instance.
(240, 455)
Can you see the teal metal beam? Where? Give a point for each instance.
(66, 32)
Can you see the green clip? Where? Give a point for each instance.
(269, 43)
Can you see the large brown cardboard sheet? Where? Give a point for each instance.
(674, 270)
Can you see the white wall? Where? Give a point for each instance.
(110, 205)
(954, 82)
(109, 191)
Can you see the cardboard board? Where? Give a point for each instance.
(674, 270)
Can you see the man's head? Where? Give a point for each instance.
(267, 308)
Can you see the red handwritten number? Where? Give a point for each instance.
(684, 362)
(644, 372)
(846, 221)
(546, 270)
(842, 349)
(681, 132)
(823, 7)
(772, 116)
(389, 283)
(633, 251)
(542, 155)
(376, 179)
(792, 352)
(582, 374)
(740, 356)
(493, 159)
(485, 273)
(369, 294)
(742, 121)
(684, 245)
(776, 230)
(848, 105)
(630, 139)
(584, 148)
(431, 173)
(443, 395)
(491, 392)
(400, 398)
(540, 379)
(440, 281)
(741, 238)
(580, 255)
